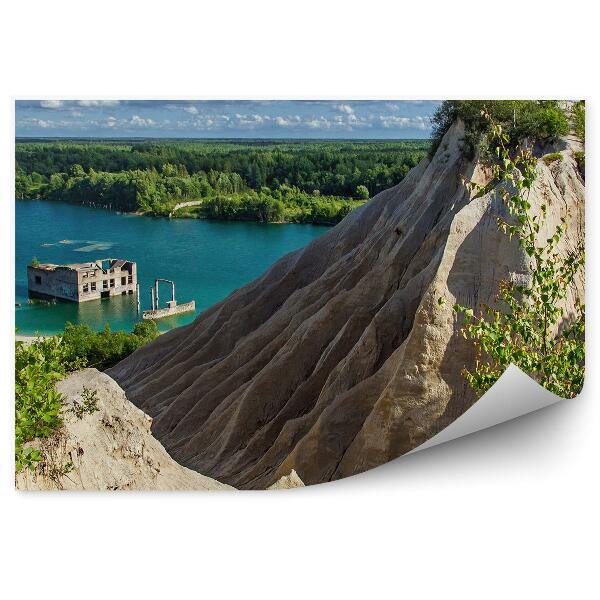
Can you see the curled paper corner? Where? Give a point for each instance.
(513, 395)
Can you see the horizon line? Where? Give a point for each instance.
(312, 139)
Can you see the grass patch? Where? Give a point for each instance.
(552, 157)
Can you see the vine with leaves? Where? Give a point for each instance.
(527, 328)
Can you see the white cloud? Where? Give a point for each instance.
(34, 122)
(98, 102)
(392, 121)
(320, 123)
(191, 109)
(289, 121)
(138, 121)
(51, 103)
(344, 108)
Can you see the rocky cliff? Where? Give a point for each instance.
(339, 358)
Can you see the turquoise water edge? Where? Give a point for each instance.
(206, 259)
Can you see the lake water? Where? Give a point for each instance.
(207, 260)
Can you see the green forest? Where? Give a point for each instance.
(258, 180)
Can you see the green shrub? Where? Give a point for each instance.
(39, 365)
(362, 193)
(552, 157)
(37, 403)
(522, 329)
(107, 348)
(579, 120)
(536, 120)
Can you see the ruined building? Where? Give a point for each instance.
(82, 281)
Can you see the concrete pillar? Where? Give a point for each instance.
(172, 291)
(156, 293)
(137, 298)
(152, 297)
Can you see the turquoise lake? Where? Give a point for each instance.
(206, 259)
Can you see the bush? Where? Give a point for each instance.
(362, 193)
(536, 120)
(107, 348)
(529, 327)
(37, 403)
(579, 120)
(42, 363)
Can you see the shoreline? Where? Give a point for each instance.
(150, 214)
(29, 339)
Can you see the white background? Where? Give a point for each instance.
(508, 513)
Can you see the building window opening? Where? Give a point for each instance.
(38, 279)
(112, 283)
(130, 279)
(123, 280)
(105, 284)
(85, 288)
(93, 286)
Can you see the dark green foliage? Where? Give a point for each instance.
(579, 120)
(527, 328)
(106, 348)
(37, 403)
(535, 120)
(39, 365)
(579, 128)
(362, 193)
(287, 204)
(240, 180)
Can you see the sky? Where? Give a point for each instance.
(358, 119)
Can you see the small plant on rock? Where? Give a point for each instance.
(88, 404)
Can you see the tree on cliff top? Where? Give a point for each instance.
(536, 120)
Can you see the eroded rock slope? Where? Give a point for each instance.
(109, 447)
(339, 358)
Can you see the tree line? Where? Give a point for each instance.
(267, 181)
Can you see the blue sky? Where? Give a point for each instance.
(389, 119)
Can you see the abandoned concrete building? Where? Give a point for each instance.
(82, 281)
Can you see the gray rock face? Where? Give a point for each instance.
(339, 358)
